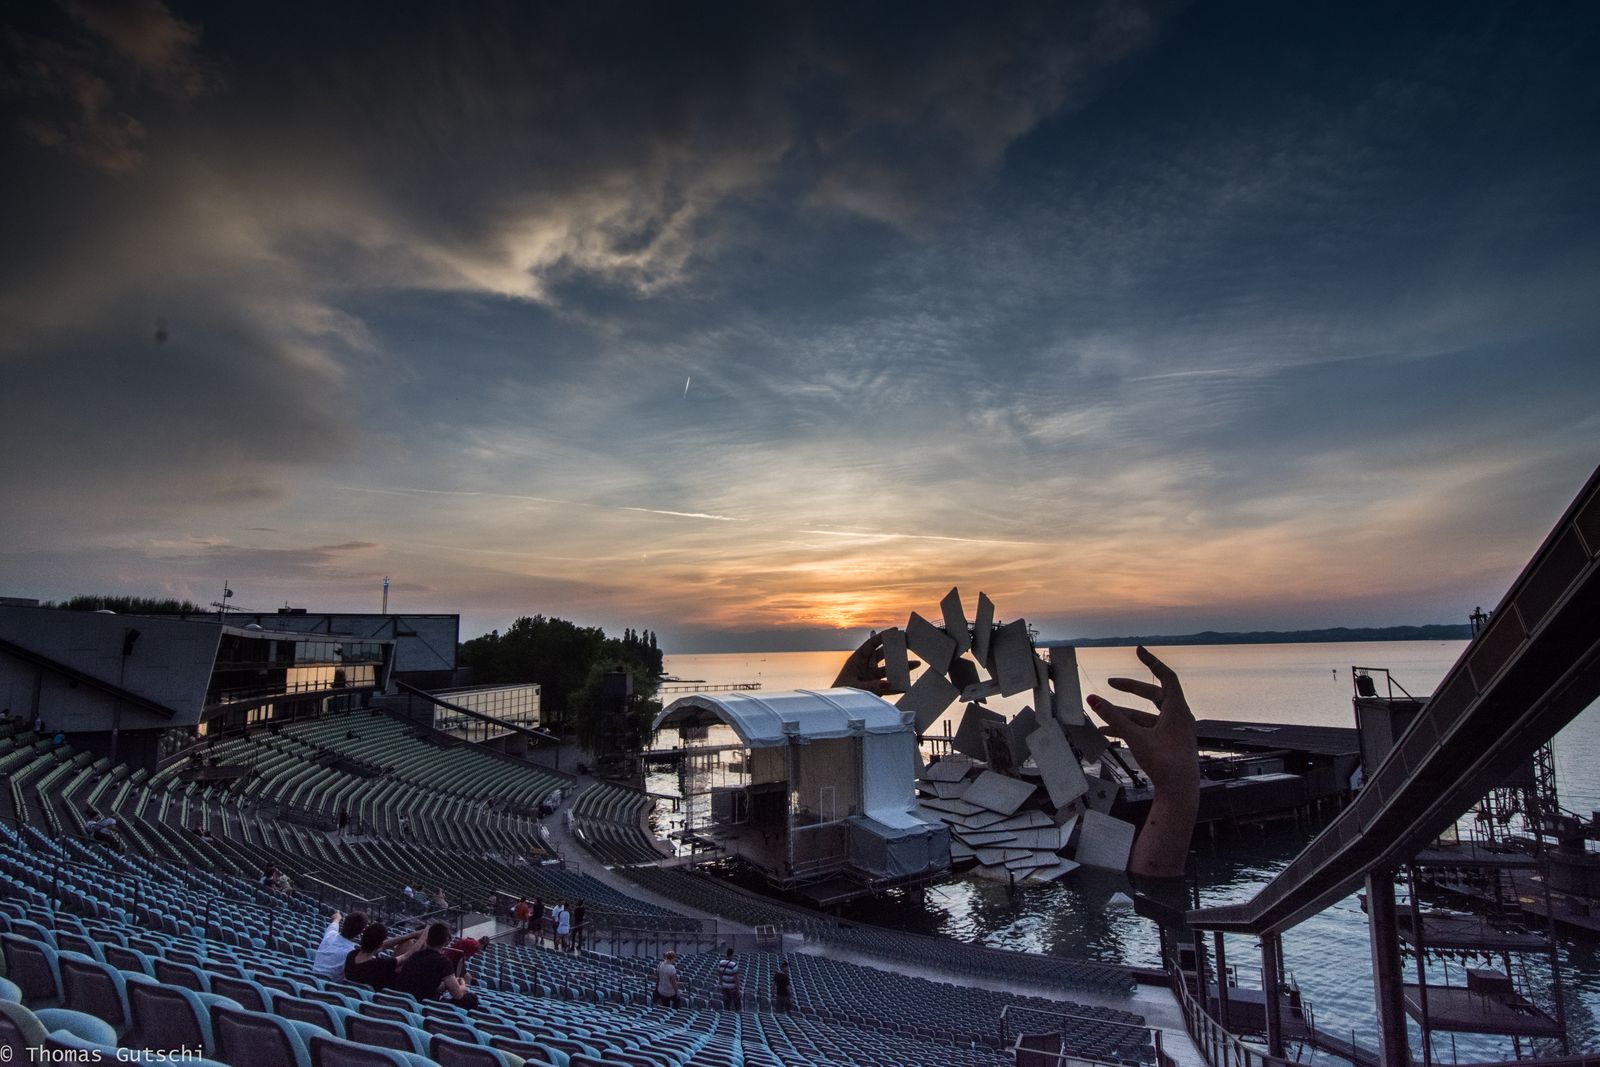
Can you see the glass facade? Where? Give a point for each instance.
(261, 676)
(516, 705)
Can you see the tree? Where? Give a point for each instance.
(591, 727)
(130, 605)
(552, 652)
(567, 661)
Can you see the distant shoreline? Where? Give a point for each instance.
(1337, 634)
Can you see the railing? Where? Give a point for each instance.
(1219, 1047)
(1072, 1059)
(346, 900)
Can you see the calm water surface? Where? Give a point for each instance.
(1307, 684)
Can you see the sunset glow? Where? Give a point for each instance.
(1142, 319)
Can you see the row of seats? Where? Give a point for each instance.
(709, 893)
(610, 821)
(823, 988)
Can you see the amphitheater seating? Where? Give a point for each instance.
(444, 792)
(258, 1002)
(719, 897)
(610, 821)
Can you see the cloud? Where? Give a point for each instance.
(73, 85)
(1112, 314)
(162, 48)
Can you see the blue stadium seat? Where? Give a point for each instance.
(127, 959)
(385, 1033)
(309, 1011)
(22, 1028)
(175, 972)
(246, 991)
(95, 988)
(327, 1051)
(32, 966)
(170, 1018)
(450, 1052)
(256, 1039)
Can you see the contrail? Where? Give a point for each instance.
(406, 490)
(686, 382)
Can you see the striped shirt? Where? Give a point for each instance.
(728, 974)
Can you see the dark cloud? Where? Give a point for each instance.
(75, 82)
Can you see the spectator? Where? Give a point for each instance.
(281, 885)
(101, 828)
(410, 895)
(519, 916)
(460, 951)
(344, 820)
(365, 966)
(563, 919)
(38, 724)
(338, 941)
(536, 920)
(405, 826)
(577, 926)
(667, 982)
(58, 740)
(199, 830)
(728, 981)
(268, 878)
(428, 972)
(5, 716)
(439, 900)
(780, 989)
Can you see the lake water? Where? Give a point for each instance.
(1327, 954)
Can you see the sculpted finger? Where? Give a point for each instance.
(1150, 692)
(1164, 674)
(1120, 721)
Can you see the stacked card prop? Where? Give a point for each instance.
(1016, 795)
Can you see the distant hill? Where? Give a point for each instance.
(1438, 632)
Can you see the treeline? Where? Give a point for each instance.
(568, 662)
(1433, 632)
(130, 605)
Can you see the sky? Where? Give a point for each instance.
(757, 325)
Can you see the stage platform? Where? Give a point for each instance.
(1456, 1009)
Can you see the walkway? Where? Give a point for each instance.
(567, 848)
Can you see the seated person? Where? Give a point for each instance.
(461, 950)
(338, 941)
(101, 828)
(1162, 742)
(428, 972)
(365, 965)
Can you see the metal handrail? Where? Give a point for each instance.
(1153, 1033)
(1217, 1045)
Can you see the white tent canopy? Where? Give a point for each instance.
(777, 718)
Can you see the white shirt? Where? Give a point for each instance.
(564, 922)
(328, 960)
